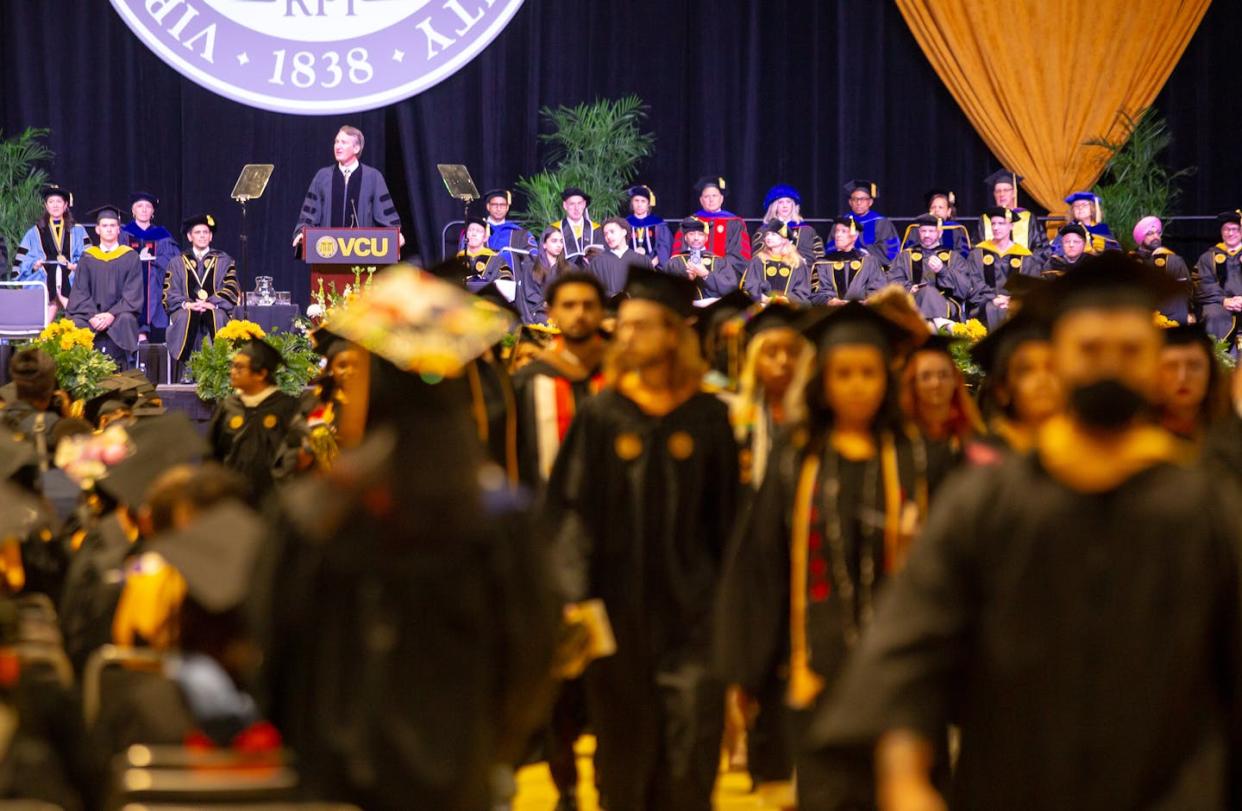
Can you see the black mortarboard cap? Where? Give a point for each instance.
(1002, 212)
(927, 219)
(108, 211)
(574, 191)
(1002, 176)
(775, 226)
(505, 193)
(159, 443)
(215, 554)
(144, 195)
(712, 180)
(120, 390)
(56, 190)
(1110, 280)
(1073, 228)
(993, 351)
(149, 405)
(327, 343)
(613, 304)
(1234, 217)
(851, 323)
(474, 221)
(1184, 334)
(848, 221)
(677, 293)
(693, 224)
(262, 356)
(1019, 285)
(198, 219)
(939, 342)
(776, 315)
(868, 186)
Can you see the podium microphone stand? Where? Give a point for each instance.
(251, 184)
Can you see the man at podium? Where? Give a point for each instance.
(349, 194)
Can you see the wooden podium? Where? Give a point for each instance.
(333, 253)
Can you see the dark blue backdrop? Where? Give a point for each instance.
(810, 93)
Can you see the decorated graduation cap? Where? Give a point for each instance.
(641, 190)
(1073, 228)
(693, 224)
(993, 352)
(851, 323)
(421, 323)
(676, 293)
(118, 391)
(574, 191)
(104, 212)
(191, 223)
(775, 226)
(862, 185)
(1003, 176)
(1007, 214)
(777, 315)
(781, 190)
(1111, 280)
(158, 444)
(55, 190)
(1226, 217)
(262, 356)
(932, 194)
(215, 554)
(494, 193)
(136, 196)
(714, 181)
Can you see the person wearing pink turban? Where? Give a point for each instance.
(1148, 233)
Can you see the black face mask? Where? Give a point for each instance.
(1107, 404)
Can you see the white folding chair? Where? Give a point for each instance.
(23, 309)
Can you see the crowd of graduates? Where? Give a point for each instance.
(785, 526)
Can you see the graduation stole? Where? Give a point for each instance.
(804, 683)
(841, 277)
(477, 263)
(1221, 255)
(775, 269)
(916, 264)
(991, 254)
(555, 406)
(1021, 229)
(56, 236)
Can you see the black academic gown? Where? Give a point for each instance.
(249, 439)
(1177, 308)
(407, 636)
(612, 270)
(641, 507)
(753, 627)
(109, 282)
(1087, 645)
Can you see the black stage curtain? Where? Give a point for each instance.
(809, 93)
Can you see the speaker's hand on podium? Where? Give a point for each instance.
(297, 239)
(400, 240)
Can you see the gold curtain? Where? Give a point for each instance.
(1037, 78)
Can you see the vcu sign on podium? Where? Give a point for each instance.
(351, 246)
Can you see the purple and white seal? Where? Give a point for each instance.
(316, 57)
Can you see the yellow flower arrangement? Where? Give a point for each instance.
(66, 335)
(973, 330)
(239, 331)
(1162, 321)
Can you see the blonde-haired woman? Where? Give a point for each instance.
(783, 203)
(778, 271)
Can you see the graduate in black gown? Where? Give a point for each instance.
(431, 606)
(836, 515)
(107, 293)
(1075, 612)
(641, 501)
(612, 265)
(247, 430)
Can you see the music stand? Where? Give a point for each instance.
(250, 185)
(457, 180)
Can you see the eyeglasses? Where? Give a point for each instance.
(858, 198)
